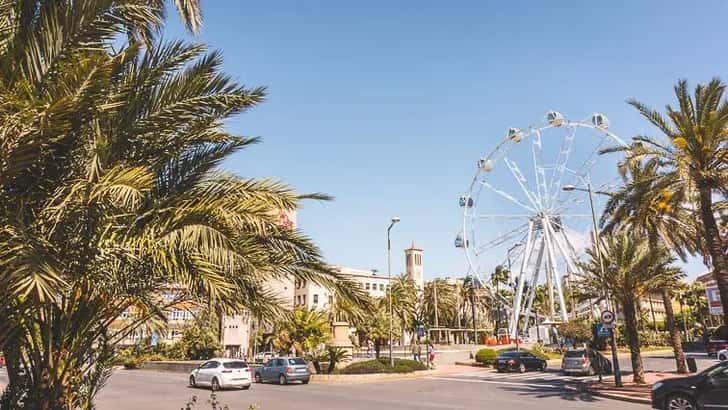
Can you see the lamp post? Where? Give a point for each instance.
(588, 190)
(389, 275)
(518, 314)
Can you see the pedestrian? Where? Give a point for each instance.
(369, 349)
(416, 351)
(431, 354)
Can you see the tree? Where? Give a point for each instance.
(692, 163)
(109, 180)
(303, 331)
(199, 340)
(439, 303)
(376, 328)
(404, 302)
(641, 206)
(630, 271)
(500, 276)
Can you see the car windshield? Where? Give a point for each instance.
(297, 361)
(235, 365)
(509, 354)
(574, 353)
(712, 369)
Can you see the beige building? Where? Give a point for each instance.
(413, 265)
(312, 296)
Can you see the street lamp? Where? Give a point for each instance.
(588, 190)
(508, 257)
(389, 275)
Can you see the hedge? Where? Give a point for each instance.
(382, 366)
(486, 357)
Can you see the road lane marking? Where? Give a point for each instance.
(453, 379)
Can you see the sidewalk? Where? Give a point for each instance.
(635, 393)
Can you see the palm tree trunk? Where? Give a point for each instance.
(715, 246)
(675, 339)
(633, 339)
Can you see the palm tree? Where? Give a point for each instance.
(303, 330)
(500, 276)
(404, 301)
(439, 303)
(692, 163)
(630, 271)
(110, 193)
(658, 215)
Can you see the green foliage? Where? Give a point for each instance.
(133, 362)
(382, 366)
(579, 330)
(486, 356)
(198, 342)
(303, 331)
(539, 350)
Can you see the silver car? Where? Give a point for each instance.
(585, 362)
(283, 370)
(222, 373)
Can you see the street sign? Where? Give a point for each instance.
(716, 308)
(607, 317)
(420, 331)
(602, 330)
(155, 339)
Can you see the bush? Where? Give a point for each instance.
(382, 366)
(539, 351)
(133, 363)
(486, 357)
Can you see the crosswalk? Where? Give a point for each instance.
(548, 378)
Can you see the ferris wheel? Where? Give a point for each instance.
(525, 203)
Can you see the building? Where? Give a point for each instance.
(312, 296)
(413, 265)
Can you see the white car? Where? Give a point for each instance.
(723, 355)
(222, 373)
(262, 357)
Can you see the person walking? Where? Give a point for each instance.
(416, 351)
(431, 354)
(369, 349)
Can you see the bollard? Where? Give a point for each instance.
(692, 366)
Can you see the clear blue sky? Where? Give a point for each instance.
(387, 105)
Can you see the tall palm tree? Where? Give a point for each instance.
(630, 271)
(404, 301)
(111, 192)
(692, 162)
(500, 276)
(659, 215)
(439, 303)
(303, 330)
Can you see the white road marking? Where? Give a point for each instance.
(553, 386)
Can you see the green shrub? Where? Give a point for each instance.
(486, 357)
(382, 366)
(538, 350)
(133, 363)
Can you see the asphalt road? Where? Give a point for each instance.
(478, 389)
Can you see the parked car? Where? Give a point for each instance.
(717, 340)
(585, 362)
(222, 373)
(262, 357)
(283, 370)
(706, 390)
(723, 354)
(520, 361)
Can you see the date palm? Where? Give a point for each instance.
(404, 301)
(111, 192)
(439, 303)
(660, 216)
(692, 162)
(630, 271)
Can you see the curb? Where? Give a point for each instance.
(583, 388)
(369, 378)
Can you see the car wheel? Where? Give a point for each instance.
(258, 379)
(246, 387)
(282, 380)
(543, 367)
(590, 372)
(192, 381)
(521, 368)
(679, 402)
(499, 370)
(305, 381)
(215, 385)
(722, 358)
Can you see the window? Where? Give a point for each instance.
(367, 286)
(304, 299)
(315, 299)
(235, 365)
(409, 259)
(381, 286)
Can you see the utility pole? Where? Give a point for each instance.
(437, 323)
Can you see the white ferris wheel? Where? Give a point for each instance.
(525, 203)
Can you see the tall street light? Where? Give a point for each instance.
(508, 257)
(615, 359)
(389, 275)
